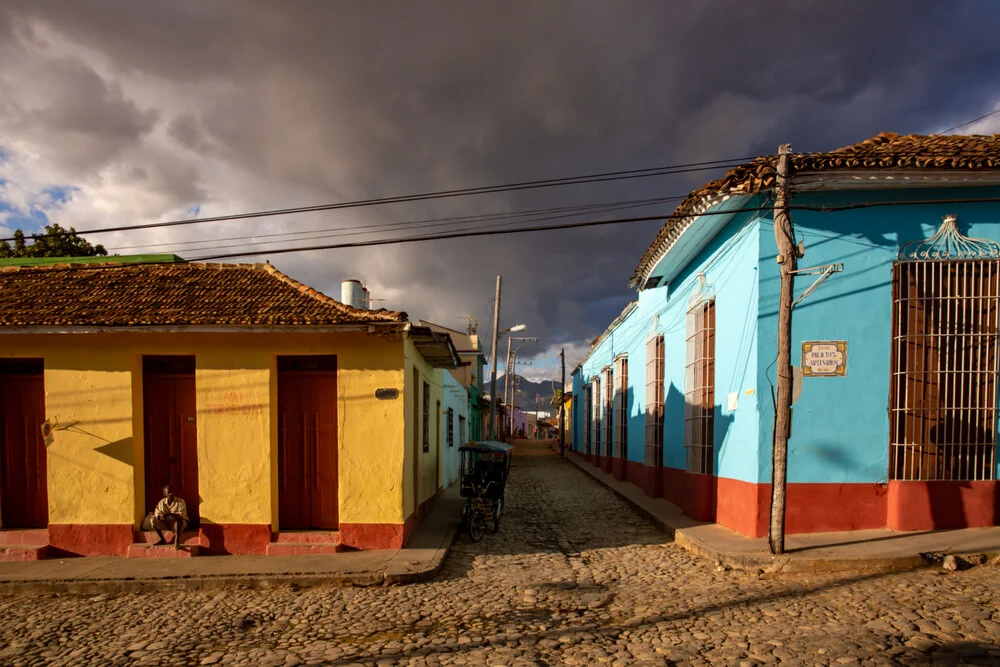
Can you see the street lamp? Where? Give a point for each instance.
(493, 377)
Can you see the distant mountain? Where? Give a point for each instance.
(526, 391)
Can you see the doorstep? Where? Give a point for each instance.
(305, 543)
(145, 545)
(22, 545)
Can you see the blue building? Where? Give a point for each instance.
(894, 342)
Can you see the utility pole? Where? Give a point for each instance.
(787, 251)
(562, 404)
(493, 363)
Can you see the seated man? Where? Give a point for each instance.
(170, 514)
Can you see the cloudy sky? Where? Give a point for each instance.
(117, 113)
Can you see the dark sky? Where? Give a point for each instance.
(121, 112)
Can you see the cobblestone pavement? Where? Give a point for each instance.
(573, 577)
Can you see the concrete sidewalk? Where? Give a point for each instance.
(855, 551)
(421, 559)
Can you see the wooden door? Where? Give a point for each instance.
(170, 430)
(307, 443)
(24, 500)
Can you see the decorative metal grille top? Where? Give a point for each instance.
(949, 243)
(704, 292)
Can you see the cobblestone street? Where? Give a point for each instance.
(573, 577)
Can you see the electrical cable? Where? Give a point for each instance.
(443, 194)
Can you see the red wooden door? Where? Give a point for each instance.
(24, 500)
(171, 430)
(307, 443)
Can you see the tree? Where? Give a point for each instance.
(55, 242)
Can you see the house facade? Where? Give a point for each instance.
(894, 338)
(469, 375)
(273, 410)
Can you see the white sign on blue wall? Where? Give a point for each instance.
(824, 358)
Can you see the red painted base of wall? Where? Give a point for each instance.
(372, 536)
(66, 539)
(618, 468)
(234, 538)
(940, 505)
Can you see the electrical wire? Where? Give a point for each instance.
(606, 208)
(433, 222)
(974, 120)
(443, 194)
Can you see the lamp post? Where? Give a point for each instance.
(512, 364)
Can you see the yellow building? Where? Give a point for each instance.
(269, 407)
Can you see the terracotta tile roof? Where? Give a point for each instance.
(124, 295)
(885, 151)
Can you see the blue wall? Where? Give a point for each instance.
(840, 426)
(730, 265)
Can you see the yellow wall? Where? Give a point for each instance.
(93, 386)
(427, 463)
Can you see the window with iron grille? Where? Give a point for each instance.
(462, 430)
(595, 421)
(427, 417)
(451, 427)
(699, 388)
(654, 401)
(943, 388)
(588, 416)
(609, 415)
(621, 407)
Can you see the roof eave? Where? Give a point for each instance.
(368, 327)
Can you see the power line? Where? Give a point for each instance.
(974, 120)
(491, 189)
(574, 211)
(544, 228)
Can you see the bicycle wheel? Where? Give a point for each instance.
(477, 527)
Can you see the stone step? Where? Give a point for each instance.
(23, 552)
(143, 550)
(20, 537)
(302, 549)
(307, 537)
(188, 537)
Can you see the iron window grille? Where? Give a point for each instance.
(621, 407)
(609, 417)
(654, 401)
(699, 385)
(427, 417)
(451, 427)
(943, 387)
(588, 417)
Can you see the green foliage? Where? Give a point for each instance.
(55, 242)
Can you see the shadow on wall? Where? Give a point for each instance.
(685, 421)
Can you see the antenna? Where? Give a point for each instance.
(473, 323)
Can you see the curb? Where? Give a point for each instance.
(759, 564)
(232, 582)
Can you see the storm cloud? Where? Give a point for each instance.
(148, 111)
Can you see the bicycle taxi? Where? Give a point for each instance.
(485, 467)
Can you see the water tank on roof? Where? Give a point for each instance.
(351, 293)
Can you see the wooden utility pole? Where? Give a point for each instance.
(562, 404)
(493, 363)
(787, 252)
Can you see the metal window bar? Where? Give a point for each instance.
(699, 395)
(427, 418)
(451, 427)
(595, 420)
(588, 416)
(654, 402)
(608, 413)
(943, 387)
(621, 408)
